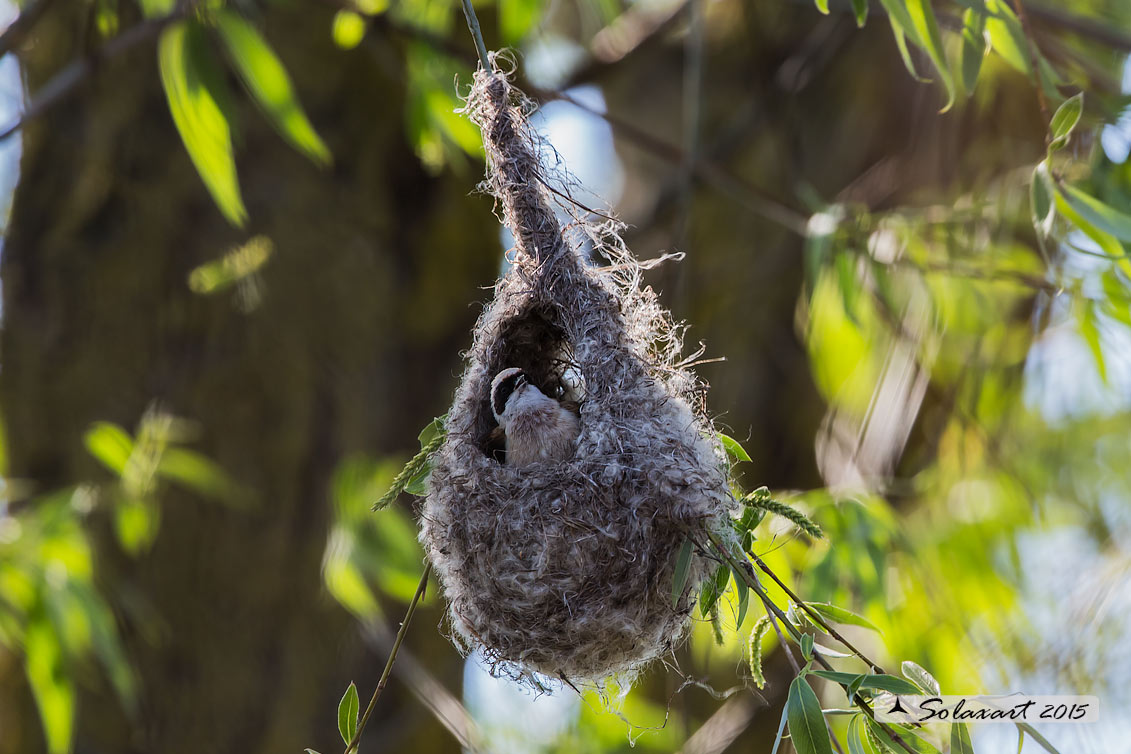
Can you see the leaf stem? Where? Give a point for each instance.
(392, 658)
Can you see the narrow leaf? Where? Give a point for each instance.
(156, 8)
(823, 6)
(682, 571)
(860, 9)
(1064, 120)
(347, 714)
(110, 444)
(920, 677)
(189, 79)
(1089, 329)
(268, 83)
(840, 615)
(1041, 740)
(1103, 216)
(960, 739)
(1007, 38)
(807, 728)
(900, 37)
(1041, 207)
(733, 449)
(846, 279)
(855, 737)
(743, 592)
(973, 46)
(870, 681)
(807, 646)
(432, 431)
(927, 28)
(1107, 242)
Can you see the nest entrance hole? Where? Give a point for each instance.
(535, 342)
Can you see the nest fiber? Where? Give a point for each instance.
(566, 568)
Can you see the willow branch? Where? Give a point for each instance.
(743, 567)
(352, 746)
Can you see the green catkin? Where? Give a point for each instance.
(754, 651)
(410, 470)
(760, 499)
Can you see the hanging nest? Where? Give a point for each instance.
(566, 568)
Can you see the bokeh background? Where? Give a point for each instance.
(198, 413)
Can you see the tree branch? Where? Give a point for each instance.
(352, 746)
(64, 82)
(19, 28)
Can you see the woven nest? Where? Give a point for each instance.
(566, 568)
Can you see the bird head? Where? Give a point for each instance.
(506, 383)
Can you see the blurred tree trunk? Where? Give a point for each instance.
(354, 346)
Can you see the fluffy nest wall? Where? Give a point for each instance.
(566, 568)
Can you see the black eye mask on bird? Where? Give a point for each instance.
(504, 390)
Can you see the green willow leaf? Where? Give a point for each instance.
(960, 739)
(870, 681)
(432, 431)
(807, 728)
(856, 737)
(901, 44)
(189, 77)
(268, 83)
(1103, 216)
(733, 448)
(682, 571)
(50, 684)
(1089, 329)
(841, 615)
(927, 28)
(1041, 740)
(920, 677)
(195, 471)
(743, 592)
(1064, 120)
(973, 47)
(1107, 242)
(1041, 207)
(1007, 38)
(156, 8)
(823, 6)
(110, 444)
(347, 714)
(860, 10)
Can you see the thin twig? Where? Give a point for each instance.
(53, 92)
(18, 29)
(477, 34)
(1034, 61)
(813, 614)
(352, 746)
